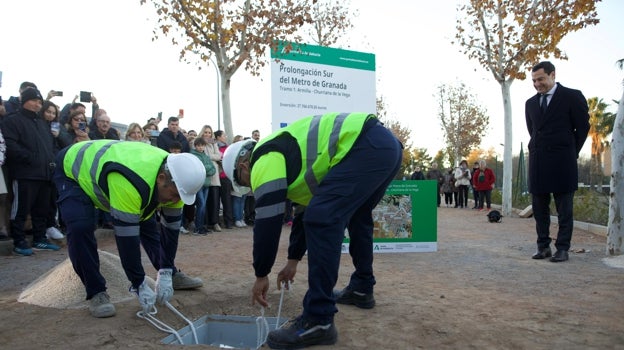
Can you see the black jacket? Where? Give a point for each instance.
(166, 138)
(30, 146)
(557, 137)
(111, 134)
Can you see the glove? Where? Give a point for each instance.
(147, 297)
(164, 286)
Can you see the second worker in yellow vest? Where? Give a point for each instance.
(338, 165)
(133, 181)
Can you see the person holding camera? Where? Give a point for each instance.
(69, 108)
(77, 126)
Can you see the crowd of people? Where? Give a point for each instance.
(58, 127)
(45, 191)
(455, 184)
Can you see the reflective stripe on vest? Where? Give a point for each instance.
(134, 167)
(93, 169)
(324, 140)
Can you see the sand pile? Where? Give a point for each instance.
(62, 289)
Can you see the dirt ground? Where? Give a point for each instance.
(480, 290)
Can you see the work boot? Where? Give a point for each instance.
(348, 296)
(182, 281)
(302, 333)
(100, 306)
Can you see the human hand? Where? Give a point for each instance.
(75, 98)
(287, 274)
(259, 291)
(146, 296)
(164, 286)
(51, 94)
(93, 99)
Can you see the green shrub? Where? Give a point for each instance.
(589, 205)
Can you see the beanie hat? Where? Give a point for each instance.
(30, 94)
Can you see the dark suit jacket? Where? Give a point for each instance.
(557, 137)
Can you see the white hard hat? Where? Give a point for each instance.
(230, 158)
(188, 173)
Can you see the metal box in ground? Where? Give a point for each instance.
(228, 332)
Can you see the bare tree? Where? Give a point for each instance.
(463, 120)
(330, 20)
(402, 133)
(507, 37)
(237, 33)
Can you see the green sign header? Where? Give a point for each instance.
(326, 55)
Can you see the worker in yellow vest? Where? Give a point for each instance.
(337, 165)
(132, 181)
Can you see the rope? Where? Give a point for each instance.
(262, 325)
(262, 329)
(279, 309)
(149, 317)
(191, 325)
(160, 325)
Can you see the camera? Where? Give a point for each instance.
(58, 93)
(85, 96)
(82, 126)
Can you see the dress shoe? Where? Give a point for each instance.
(560, 255)
(542, 253)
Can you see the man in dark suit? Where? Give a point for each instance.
(558, 121)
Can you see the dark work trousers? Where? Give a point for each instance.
(485, 197)
(212, 205)
(475, 196)
(541, 213)
(225, 192)
(29, 197)
(78, 211)
(463, 195)
(250, 209)
(51, 220)
(439, 194)
(346, 198)
(448, 198)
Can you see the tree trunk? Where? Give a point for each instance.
(615, 229)
(507, 155)
(227, 105)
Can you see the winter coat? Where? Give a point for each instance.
(29, 145)
(557, 137)
(483, 179)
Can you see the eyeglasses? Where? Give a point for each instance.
(79, 119)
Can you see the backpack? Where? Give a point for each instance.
(495, 216)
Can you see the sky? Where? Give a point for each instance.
(106, 47)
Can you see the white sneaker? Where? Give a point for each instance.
(54, 233)
(217, 228)
(183, 230)
(239, 224)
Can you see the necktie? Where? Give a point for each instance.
(544, 103)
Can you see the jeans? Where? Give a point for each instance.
(200, 208)
(237, 205)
